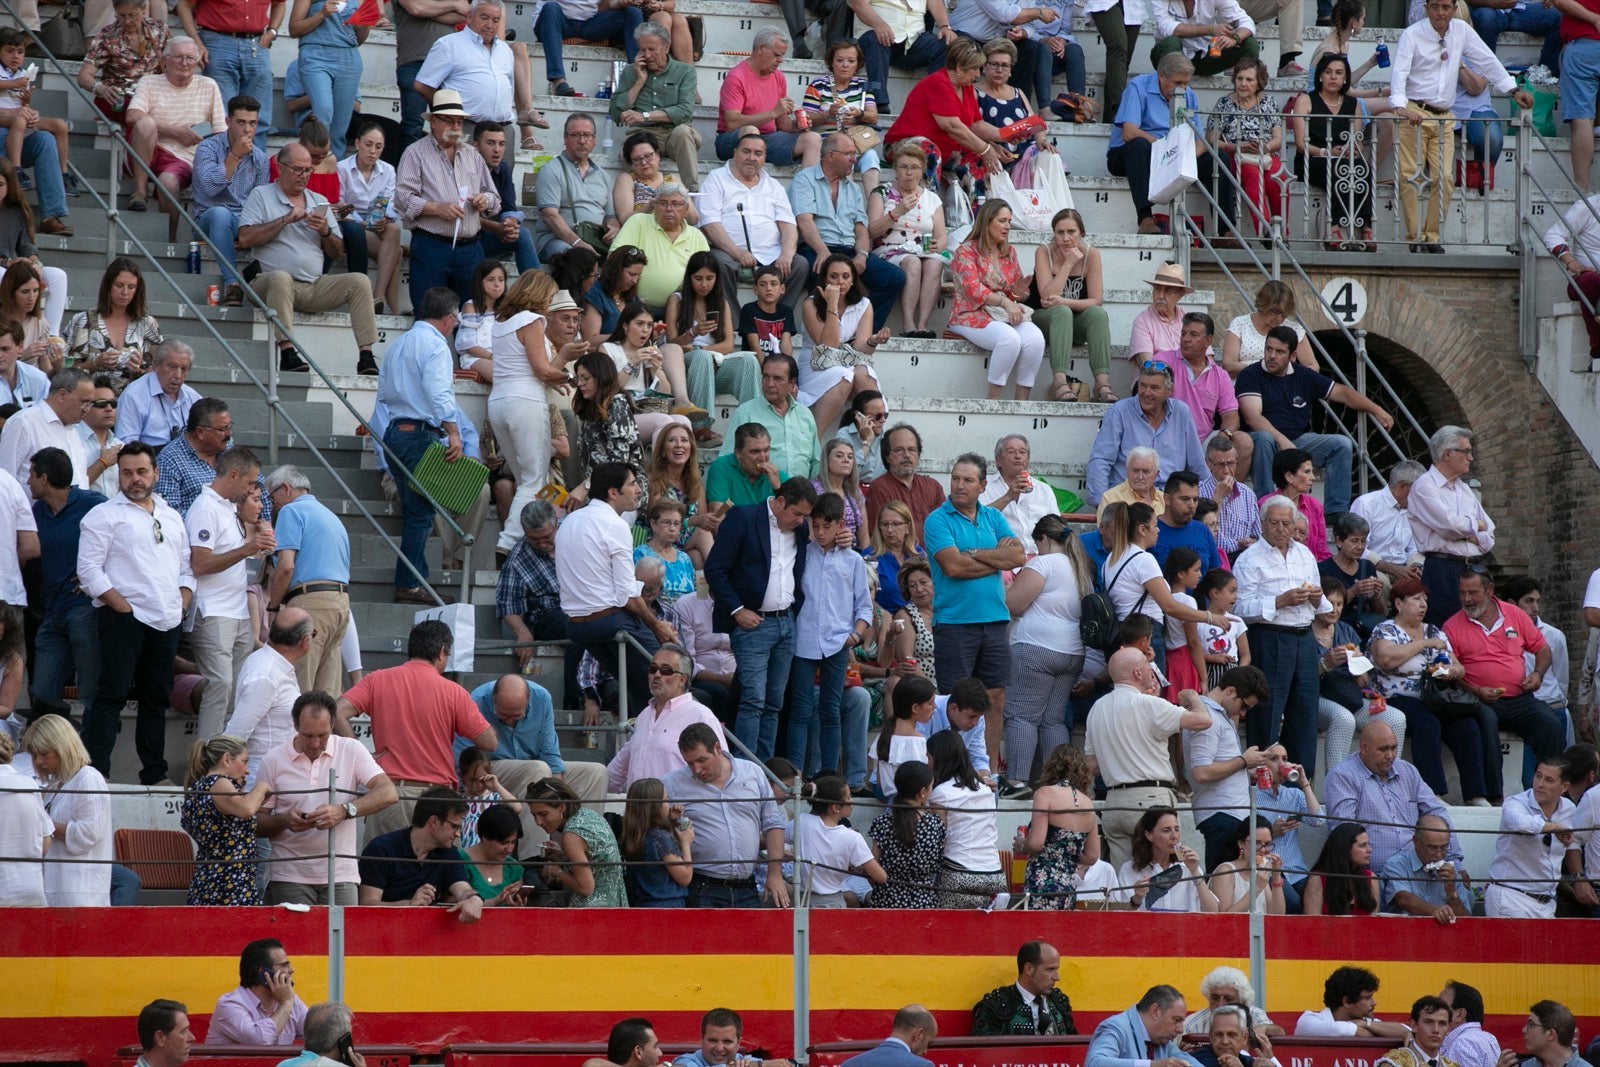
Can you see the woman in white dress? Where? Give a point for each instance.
(1230, 881)
(519, 412)
(837, 314)
(26, 834)
(79, 805)
(1245, 341)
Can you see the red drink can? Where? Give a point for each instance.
(801, 119)
(213, 295)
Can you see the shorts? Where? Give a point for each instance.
(1580, 79)
(167, 163)
(980, 650)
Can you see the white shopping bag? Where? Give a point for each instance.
(463, 627)
(1172, 164)
(1028, 210)
(1050, 182)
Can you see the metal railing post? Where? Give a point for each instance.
(1258, 918)
(622, 675)
(111, 200)
(335, 911)
(1361, 387)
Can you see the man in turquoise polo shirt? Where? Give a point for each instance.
(969, 545)
(747, 475)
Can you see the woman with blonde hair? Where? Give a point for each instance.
(674, 473)
(221, 817)
(519, 411)
(988, 309)
(894, 542)
(1071, 304)
(26, 834)
(79, 805)
(1245, 341)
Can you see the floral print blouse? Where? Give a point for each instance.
(977, 275)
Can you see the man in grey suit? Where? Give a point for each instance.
(914, 1027)
(1146, 1033)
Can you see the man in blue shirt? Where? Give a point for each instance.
(831, 215)
(968, 546)
(312, 569)
(963, 711)
(1149, 419)
(504, 233)
(68, 637)
(523, 718)
(415, 385)
(227, 166)
(1176, 526)
(1142, 119)
(1420, 880)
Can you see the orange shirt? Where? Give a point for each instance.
(417, 713)
(1493, 657)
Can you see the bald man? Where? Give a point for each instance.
(1126, 740)
(914, 1028)
(1373, 786)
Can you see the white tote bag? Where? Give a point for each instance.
(1029, 211)
(1172, 165)
(463, 628)
(1050, 182)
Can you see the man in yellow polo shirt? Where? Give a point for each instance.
(667, 242)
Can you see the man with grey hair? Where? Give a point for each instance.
(1142, 485)
(831, 214)
(1150, 418)
(523, 719)
(313, 572)
(265, 687)
(442, 192)
(572, 193)
(1239, 518)
(657, 94)
(667, 240)
(49, 425)
(1280, 590)
(1013, 493)
(1453, 531)
(327, 1031)
(527, 596)
(652, 749)
(1148, 1032)
(754, 98)
(1391, 542)
(163, 112)
(474, 63)
(1228, 987)
(155, 406)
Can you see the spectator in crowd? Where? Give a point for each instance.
(1071, 298)
(667, 240)
(1010, 491)
(756, 94)
(657, 93)
(573, 196)
(24, 385)
(1350, 996)
(720, 1032)
(901, 451)
(1143, 118)
(1468, 1043)
(1032, 1004)
(1127, 747)
(971, 875)
(962, 711)
(1279, 592)
(908, 840)
(120, 53)
(288, 227)
(565, 19)
(227, 168)
(522, 716)
(221, 637)
(298, 818)
(1293, 476)
(1288, 801)
(265, 688)
(66, 641)
(367, 181)
(133, 558)
(311, 568)
(1423, 91)
(1238, 889)
(189, 461)
(1218, 764)
(95, 433)
(501, 233)
(1244, 341)
(1203, 386)
(651, 750)
(896, 36)
(1529, 853)
(118, 336)
(1549, 1037)
(796, 448)
(443, 191)
(232, 46)
(989, 282)
(1391, 541)
(1375, 788)
(475, 64)
(49, 424)
(1276, 399)
(264, 1009)
(1214, 36)
(1177, 527)
(582, 855)
(164, 1034)
(941, 111)
(914, 1028)
(1239, 516)
(1227, 1035)
(831, 216)
(733, 813)
(1420, 880)
(1146, 1032)
(77, 867)
(913, 633)
(748, 475)
(746, 217)
(1062, 837)
(327, 1034)
(155, 407)
(1158, 328)
(1430, 1020)
(832, 852)
(28, 830)
(1152, 419)
(1146, 591)
(32, 296)
(1452, 530)
(329, 64)
(1574, 238)
(164, 110)
(418, 26)
(1490, 637)
(418, 865)
(836, 325)
(1525, 592)
(528, 362)
(1229, 987)
(1248, 126)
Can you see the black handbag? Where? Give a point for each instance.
(1447, 700)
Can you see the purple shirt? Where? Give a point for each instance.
(241, 1020)
(1209, 396)
(1387, 807)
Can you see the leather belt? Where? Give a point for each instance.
(315, 587)
(1146, 783)
(592, 618)
(1451, 557)
(243, 34)
(726, 883)
(1543, 898)
(413, 426)
(1272, 628)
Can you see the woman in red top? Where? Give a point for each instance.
(1342, 881)
(942, 107)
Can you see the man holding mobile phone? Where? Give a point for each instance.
(329, 1038)
(264, 1009)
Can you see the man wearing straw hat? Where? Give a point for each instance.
(1159, 327)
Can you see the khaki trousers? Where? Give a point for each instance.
(331, 292)
(323, 667)
(1291, 16)
(1121, 814)
(1427, 153)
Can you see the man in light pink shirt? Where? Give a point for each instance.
(714, 665)
(1155, 329)
(263, 1009)
(297, 822)
(1452, 529)
(755, 94)
(652, 751)
(1200, 382)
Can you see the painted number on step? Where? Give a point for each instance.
(915, 359)
(961, 420)
(394, 107)
(1347, 299)
(1144, 255)
(1102, 198)
(1041, 423)
(745, 24)
(727, 413)
(383, 337)
(1537, 209)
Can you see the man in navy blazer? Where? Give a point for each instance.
(754, 572)
(914, 1027)
(1146, 1035)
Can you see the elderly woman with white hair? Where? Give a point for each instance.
(79, 805)
(1228, 985)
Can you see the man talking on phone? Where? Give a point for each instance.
(329, 1041)
(264, 1010)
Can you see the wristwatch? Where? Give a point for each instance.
(350, 809)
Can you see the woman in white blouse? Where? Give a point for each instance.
(1245, 340)
(1164, 874)
(518, 409)
(79, 805)
(26, 833)
(1132, 577)
(971, 874)
(368, 186)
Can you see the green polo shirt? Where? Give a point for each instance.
(666, 259)
(671, 91)
(795, 447)
(725, 481)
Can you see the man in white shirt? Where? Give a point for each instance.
(1524, 591)
(1391, 543)
(47, 425)
(1452, 530)
(1219, 764)
(1467, 1043)
(23, 384)
(599, 594)
(1583, 868)
(1013, 494)
(746, 217)
(1535, 836)
(475, 63)
(133, 559)
(1422, 88)
(1280, 591)
(1351, 996)
(1574, 241)
(1126, 743)
(219, 554)
(265, 687)
(18, 529)
(1196, 27)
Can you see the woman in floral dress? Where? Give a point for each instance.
(221, 817)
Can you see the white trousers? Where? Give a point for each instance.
(1019, 348)
(522, 427)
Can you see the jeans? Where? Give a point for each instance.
(434, 262)
(1221, 832)
(1485, 138)
(356, 257)
(811, 695)
(705, 894)
(332, 77)
(526, 254)
(552, 626)
(1330, 451)
(135, 660)
(607, 27)
(412, 103)
(923, 52)
(1290, 663)
(125, 886)
(1441, 579)
(1033, 70)
(66, 641)
(39, 152)
(1132, 161)
(855, 710)
(598, 637)
(409, 446)
(240, 65)
(1535, 20)
(1071, 63)
(763, 655)
(882, 280)
(221, 225)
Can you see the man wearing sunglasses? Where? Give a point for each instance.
(652, 748)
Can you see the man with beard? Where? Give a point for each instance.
(443, 191)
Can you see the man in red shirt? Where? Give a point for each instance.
(1580, 75)
(1489, 637)
(902, 451)
(416, 715)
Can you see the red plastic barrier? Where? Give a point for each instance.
(531, 1055)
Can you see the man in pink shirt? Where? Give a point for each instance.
(264, 1009)
(755, 94)
(1200, 382)
(416, 713)
(652, 751)
(298, 814)
(1489, 637)
(1156, 328)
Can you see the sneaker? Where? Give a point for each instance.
(1479, 802)
(69, 182)
(367, 365)
(232, 297)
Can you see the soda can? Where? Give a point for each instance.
(213, 295)
(801, 119)
(194, 257)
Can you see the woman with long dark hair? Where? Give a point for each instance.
(1230, 881)
(1164, 873)
(1342, 882)
(828, 848)
(607, 432)
(899, 742)
(836, 362)
(971, 874)
(1328, 124)
(908, 840)
(117, 336)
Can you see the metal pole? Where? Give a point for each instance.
(1258, 918)
(622, 677)
(111, 199)
(333, 799)
(335, 912)
(1361, 420)
(1277, 247)
(802, 956)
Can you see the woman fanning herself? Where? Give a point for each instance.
(838, 321)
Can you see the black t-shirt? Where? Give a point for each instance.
(1287, 401)
(769, 328)
(399, 880)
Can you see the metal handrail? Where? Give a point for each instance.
(268, 391)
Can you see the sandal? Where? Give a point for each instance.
(1104, 394)
(1065, 391)
(530, 143)
(531, 117)
(561, 88)
(137, 203)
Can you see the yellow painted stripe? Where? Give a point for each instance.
(99, 986)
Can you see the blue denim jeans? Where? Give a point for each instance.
(527, 255)
(409, 445)
(356, 257)
(240, 65)
(39, 152)
(66, 641)
(1535, 20)
(434, 262)
(1486, 138)
(811, 695)
(925, 52)
(855, 709)
(599, 638)
(412, 105)
(1330, 451)
(552, 27)
(704, 894)
(221, 225)
(332, 77)
(1290, 663)
(763, 656)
